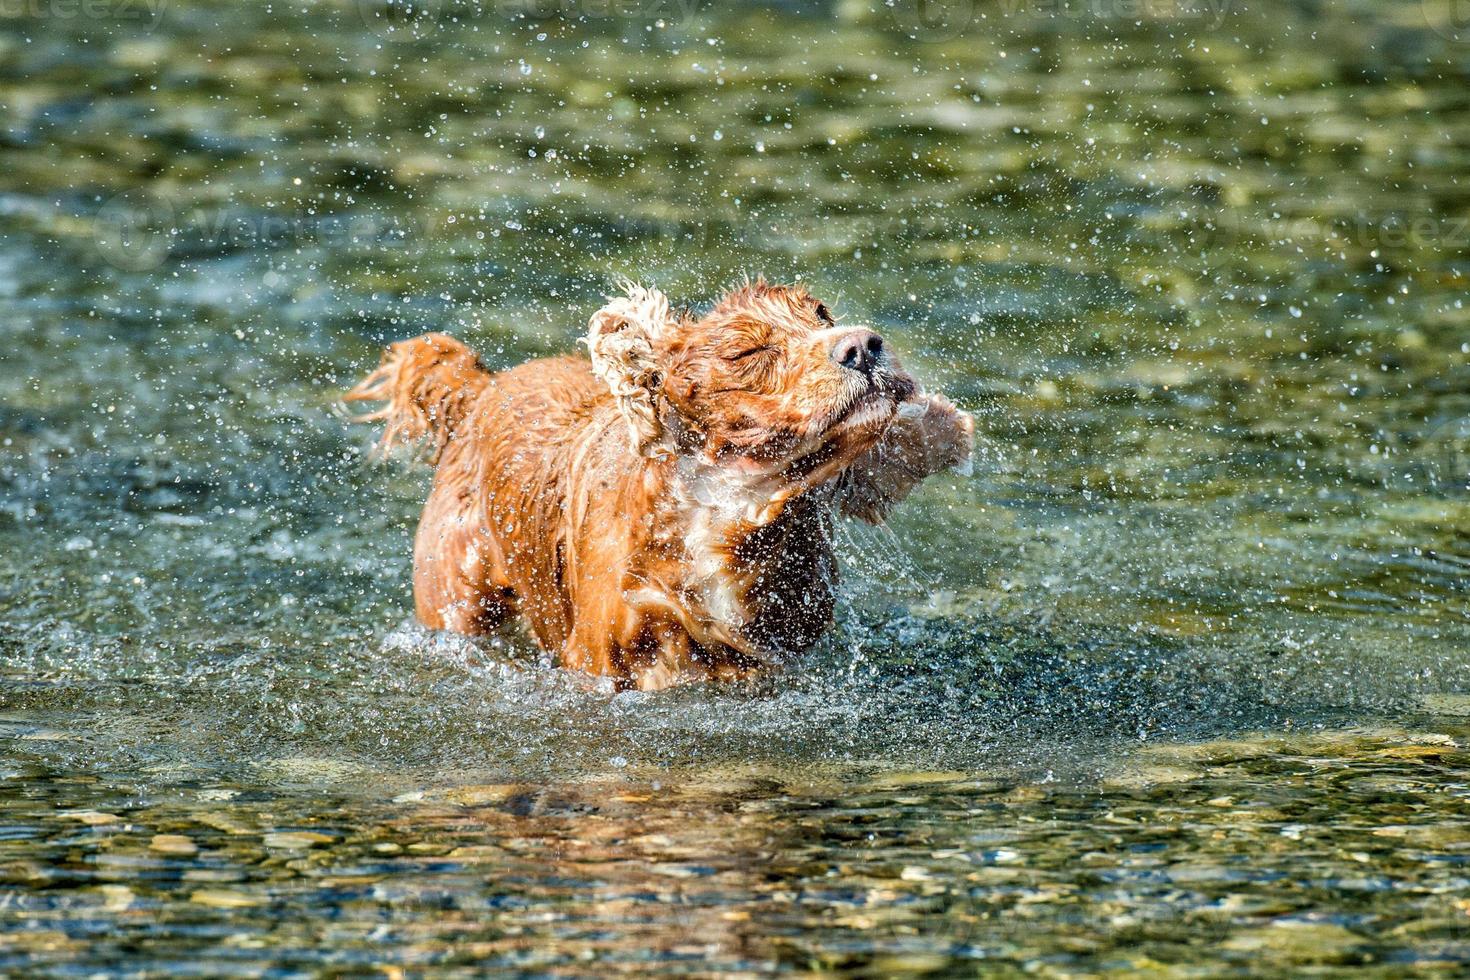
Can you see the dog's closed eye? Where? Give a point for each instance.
(755, 366)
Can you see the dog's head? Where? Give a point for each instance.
(766, 383)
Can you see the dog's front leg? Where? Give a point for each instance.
(638, 651)
(927, 435)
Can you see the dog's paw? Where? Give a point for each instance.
(944, 433)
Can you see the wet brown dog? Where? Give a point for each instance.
(662, 513)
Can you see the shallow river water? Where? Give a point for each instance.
(1176, 684)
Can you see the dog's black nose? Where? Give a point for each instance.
(858, 351)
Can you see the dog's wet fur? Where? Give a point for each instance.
(661, 512)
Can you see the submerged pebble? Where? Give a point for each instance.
(173, 844)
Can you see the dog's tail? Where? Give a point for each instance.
(430, 384)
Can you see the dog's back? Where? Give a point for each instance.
(489, 543)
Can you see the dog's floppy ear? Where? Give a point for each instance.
(624, 338)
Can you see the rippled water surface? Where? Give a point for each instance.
(1178, 683)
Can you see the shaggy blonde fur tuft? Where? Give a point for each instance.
(623, 338)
